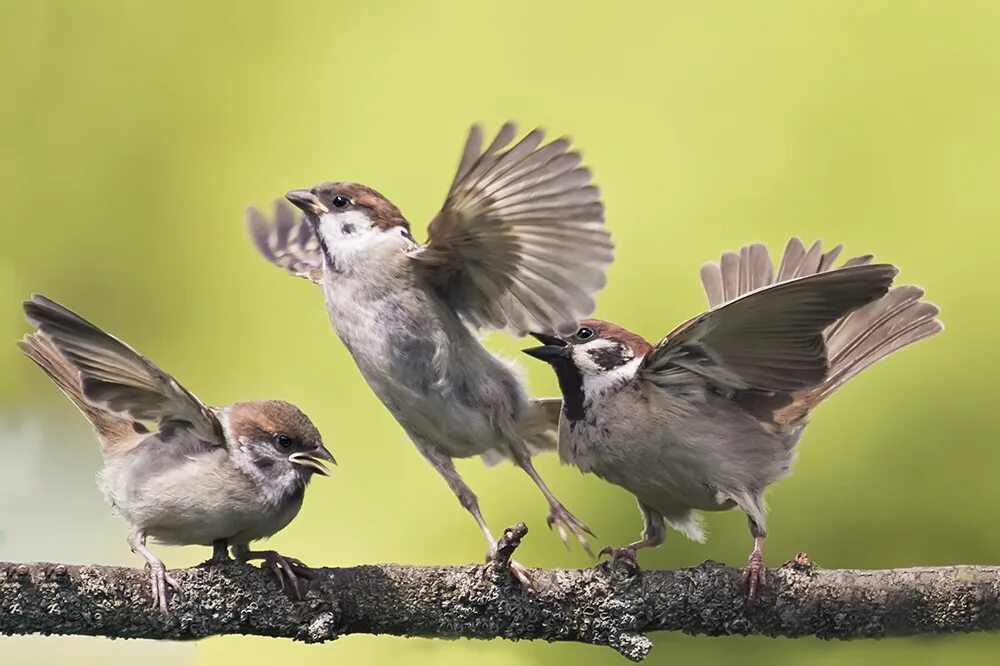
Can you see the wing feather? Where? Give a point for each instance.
(287, 241)
(520, 242)
(770, 339)
(113, 376)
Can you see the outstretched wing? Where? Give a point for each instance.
(855, 341)
(770, 339)
(116, 378)
(520, 243)
(287, 241)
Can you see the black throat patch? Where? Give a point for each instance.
(571, 385)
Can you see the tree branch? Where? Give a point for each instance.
(607, 605)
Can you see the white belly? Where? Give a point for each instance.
(435, 378)
(196, 503)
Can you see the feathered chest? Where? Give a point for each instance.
(600, 425)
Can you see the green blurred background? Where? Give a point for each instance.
(134, 134)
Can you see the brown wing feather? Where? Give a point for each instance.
(520, 242)
(287, 241)
(769, 340)
(855, 341)
(113, 376)
(117, 435)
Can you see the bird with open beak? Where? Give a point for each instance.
(212, 476)
(710, 416)
(518, 245)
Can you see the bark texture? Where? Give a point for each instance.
(608, 605)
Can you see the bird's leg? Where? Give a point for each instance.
(754, 574)
(220, 551)
(654, 533)
(158, 577)
(292, 575)
(559, 515)
(444, 465)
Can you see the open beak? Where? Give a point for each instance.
(553, 348)
(313, 460)
(307, 201)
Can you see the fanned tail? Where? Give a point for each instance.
(854, 342)
(870, 334)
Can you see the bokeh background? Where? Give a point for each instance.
(134, 134)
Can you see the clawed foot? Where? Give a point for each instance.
(625, 555)
(159, 580)
(566, 521)
(292, 575)
(754, 575)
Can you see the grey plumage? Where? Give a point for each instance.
(202, 476)
(518, 244)
(498, 250)
(710, 417)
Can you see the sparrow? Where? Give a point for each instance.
(710, 416)
(519, 244)
(195, 475)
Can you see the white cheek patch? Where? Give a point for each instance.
(598, 378)
(342, 225)
(594, 384)
(585, 355)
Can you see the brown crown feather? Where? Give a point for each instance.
(384, 213)
(607, 330)
(272, 416)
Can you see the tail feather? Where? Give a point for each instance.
(854, 342)
(848, 333)
(872, 333)
(112, 430)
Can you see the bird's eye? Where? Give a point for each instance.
(340, 201)
(585, 333)
(284, 441)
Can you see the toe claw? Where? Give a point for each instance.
(566, 524)
(293, 576)
(754, 576)
(625, 555)
(522, 576)
(159, 580)
(172, 583)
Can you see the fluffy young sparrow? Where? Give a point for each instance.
(206, 476)
(709, 417)
(519, 244)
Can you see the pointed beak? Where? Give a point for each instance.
(312, 460)
(552, 349)
(307, 201)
